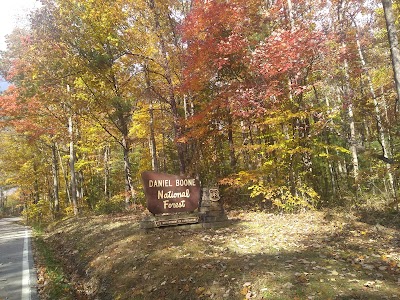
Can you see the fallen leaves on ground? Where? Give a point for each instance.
(258, 256)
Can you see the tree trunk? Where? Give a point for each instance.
(80, 185)
(394, 45)
(107, 172)
(245, 142)
(36, 196)
(164, 154)
(72, 160)
(2, 199)
(290, 9)
(349, 103)
(232, 156)
(152, 140)
(171, 91)
(381, 132)
(65, 175)
(129, 190)
(55, 171)
(353, 138)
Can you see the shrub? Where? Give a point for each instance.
(282, 198)
(114, 205)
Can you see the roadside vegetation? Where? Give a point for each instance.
(329, 254)
(52, 280)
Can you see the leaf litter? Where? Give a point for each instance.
(258, 256)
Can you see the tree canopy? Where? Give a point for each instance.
(285, 104)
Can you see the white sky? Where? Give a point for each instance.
(13, 13)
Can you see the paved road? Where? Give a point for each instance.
(17, 276)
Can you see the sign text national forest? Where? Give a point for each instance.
(170, 193)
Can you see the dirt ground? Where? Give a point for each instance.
(311, 255)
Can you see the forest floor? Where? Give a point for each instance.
(311, 255)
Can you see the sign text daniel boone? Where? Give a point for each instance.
(161, 194)
(170, 193)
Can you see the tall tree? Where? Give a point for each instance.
(394, 45)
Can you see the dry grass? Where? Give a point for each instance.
(313, 255)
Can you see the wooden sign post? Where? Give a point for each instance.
(174, 200)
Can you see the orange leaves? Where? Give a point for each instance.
(246, 291)
(235, 52)
(286, 53)
(214, 33)
(22, 113)
(8, 101)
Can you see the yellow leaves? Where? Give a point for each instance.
(298, 149)
(240, 179)
(246, 288)
(340, 149)
(271, 148)
(200, 290)
(246, 291)
(34, 75)
(140, 124)
(282, 117)
(79, 82)
(282, 197)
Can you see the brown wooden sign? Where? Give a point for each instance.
(170, 193)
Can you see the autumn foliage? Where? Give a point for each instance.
(277, 101)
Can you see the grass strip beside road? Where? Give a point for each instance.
(52, 281)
